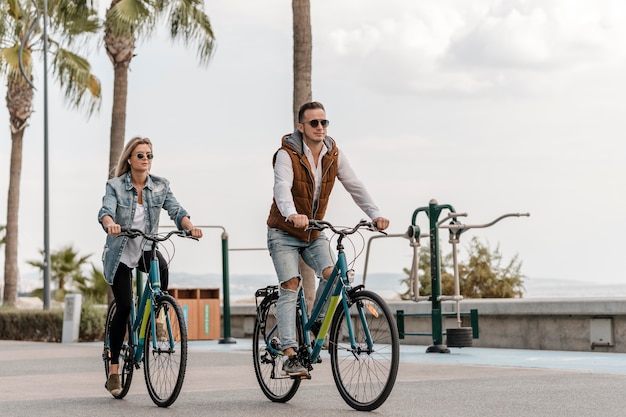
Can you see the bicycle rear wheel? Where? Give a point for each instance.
(126, 361)
(268, 365)
(165, 365)
(364, 373)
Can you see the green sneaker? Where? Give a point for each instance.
(113, 384)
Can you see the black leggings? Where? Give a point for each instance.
(123, 293)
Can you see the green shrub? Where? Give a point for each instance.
(35, 325)
(47, 325)
(92, 318)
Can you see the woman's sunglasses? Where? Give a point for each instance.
(140, 155)
(315, 123)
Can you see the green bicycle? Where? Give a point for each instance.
(362, 336)
(156, 334)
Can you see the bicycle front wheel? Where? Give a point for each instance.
(268, 364)
(366, 371)
(126, 360)
(165, 353)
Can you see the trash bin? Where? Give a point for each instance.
(209, 318)
(188, 300)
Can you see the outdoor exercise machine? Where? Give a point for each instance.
(458, 336)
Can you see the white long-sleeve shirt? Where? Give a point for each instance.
(283, 182)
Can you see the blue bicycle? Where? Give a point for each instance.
(156, 334)
(362, 336)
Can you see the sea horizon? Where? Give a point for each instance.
(243, 286)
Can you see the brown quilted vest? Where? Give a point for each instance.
(303, 186)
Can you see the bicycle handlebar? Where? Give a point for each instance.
(133, 233)
(323, 224)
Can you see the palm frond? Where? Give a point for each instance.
(190, 24)
(9, 61)
(130, 17)
(73, 19)
(74, 75)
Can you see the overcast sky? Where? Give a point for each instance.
(490, 106)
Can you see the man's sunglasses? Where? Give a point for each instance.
(315, 123)
(140, 155)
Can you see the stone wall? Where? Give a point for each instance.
(584, 324)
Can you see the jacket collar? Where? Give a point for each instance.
(129, 182)
(296, 142)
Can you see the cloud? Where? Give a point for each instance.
(441, 48)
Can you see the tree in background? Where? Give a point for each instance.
(65, 267)
(302, 55)
(70, 21)
(94, 288)
(482, 276)
(128, 20)
(302, 93)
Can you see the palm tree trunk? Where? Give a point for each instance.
(118, 116)
(19, 100)
(11, 271)
(302, 51)
(120, 49)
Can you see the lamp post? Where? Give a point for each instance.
(46, 212)
(46, 217)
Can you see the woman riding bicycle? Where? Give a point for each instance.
(305, 168)
(133, 199)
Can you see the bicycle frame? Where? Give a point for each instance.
(338, 283)
(151, 291)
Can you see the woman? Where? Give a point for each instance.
(133, 199)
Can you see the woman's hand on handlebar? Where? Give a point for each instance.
(195, 232)
(191, 230)
(114, 229)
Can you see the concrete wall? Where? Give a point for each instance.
(584, 324)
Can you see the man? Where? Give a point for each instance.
(305, 168)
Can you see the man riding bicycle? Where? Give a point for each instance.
(305, 168)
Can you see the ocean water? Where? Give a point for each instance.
(388, 285)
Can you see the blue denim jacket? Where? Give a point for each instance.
(119, 202)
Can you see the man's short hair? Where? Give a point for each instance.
(309, 106)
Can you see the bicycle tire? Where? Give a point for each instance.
(364, 377)
(126, 360)
(164, 368)
(267, 365)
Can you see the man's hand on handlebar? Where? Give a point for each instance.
(381, 223)
(300, 221)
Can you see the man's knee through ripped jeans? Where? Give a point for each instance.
(286, 313)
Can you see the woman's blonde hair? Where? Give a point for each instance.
(123, 166)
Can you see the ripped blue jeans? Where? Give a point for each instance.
(285, 250)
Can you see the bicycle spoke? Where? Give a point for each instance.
(165, 357)
(268, 365)
(366, 371)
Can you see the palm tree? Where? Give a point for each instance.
(21, 37)
(302, 51)
(128, 20)
(65, 267)
(93, 287)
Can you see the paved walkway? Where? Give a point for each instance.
(52, 379)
